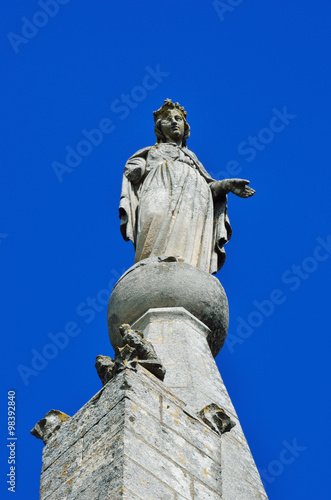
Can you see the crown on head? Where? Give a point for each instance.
(168, 104)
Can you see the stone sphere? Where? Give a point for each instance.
(165, 282)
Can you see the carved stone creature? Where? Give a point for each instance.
(136, 350)
(105, 367)
(47, 426)
(216, 418)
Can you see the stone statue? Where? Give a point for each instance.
(170, 206)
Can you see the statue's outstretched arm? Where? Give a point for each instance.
(238, 187)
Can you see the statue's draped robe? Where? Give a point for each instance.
(167, 208)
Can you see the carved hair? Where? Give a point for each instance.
(158, 115)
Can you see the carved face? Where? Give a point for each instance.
(172, 125)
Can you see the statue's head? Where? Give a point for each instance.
(170, 123)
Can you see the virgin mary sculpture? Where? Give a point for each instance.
(170, 206)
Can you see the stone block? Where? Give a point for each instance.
(137, 440)
(147, 486)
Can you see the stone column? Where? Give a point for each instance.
(183, 312)
(180, 341)
(144, 438)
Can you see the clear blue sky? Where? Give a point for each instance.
(255, 81)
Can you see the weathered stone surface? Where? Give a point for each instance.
(124, 494)
(136, 350)
(191, 372)
(150, 434)
(50, 424)
(130, 451)
(137, 423)
(241, 474)
(188, 426)
(145, 484)
(202, 492)
(105, 368)
(157, 283)
(216, 418)
(170, 205)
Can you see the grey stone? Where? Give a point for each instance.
(138, 418)
(128, 450)
(169, 203)
(135, 339)
(150, 434)
(241, 480)
(188, 426)
(105, 368)
(50, 424)
(202, 492)
(155, 283)
(180, 342)
(124, 494)
(136, 439)
(136, 350)
(139, 479)
(216, 418)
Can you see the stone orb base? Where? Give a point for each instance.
(165, 282)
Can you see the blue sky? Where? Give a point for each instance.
(254, 78)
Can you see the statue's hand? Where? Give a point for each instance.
(239, 188)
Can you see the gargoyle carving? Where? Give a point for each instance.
(216, 418)
(47, 426)
(136, 350)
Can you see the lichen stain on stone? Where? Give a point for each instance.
(175, 416)
(181, 458)
(63, 417)
(206, 473)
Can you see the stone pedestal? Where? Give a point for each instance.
(140, 438)
(180, 341)
(133, 440)
(165, 282)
